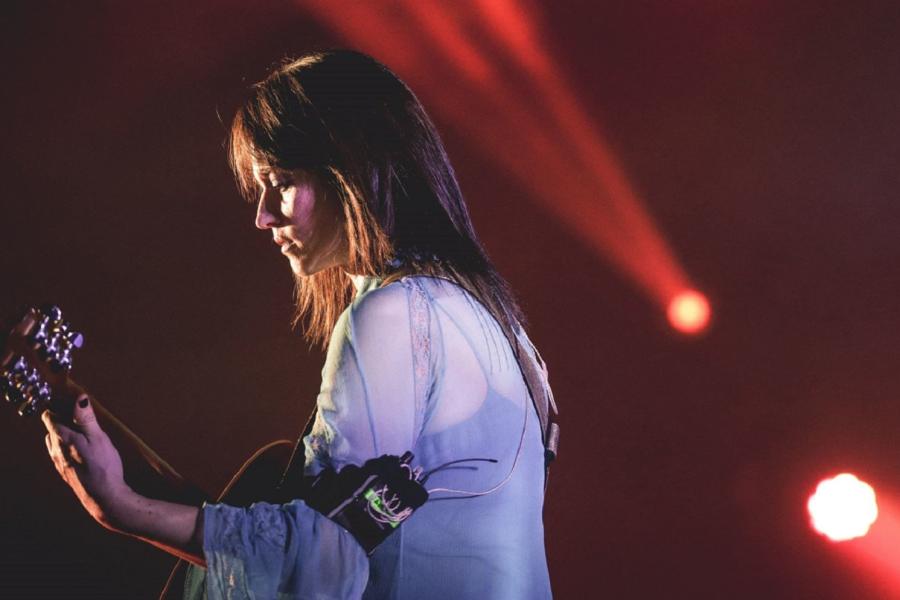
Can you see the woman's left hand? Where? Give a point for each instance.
(86, 459)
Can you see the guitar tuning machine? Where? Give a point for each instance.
(10, 393)
(43, 392)
(20, 366)
(40, 334)
(11, 383)
(75, 339)
(54, 339)
(27, 409)
(24, 387)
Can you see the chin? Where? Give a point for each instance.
(301, 268)
(300, 271)
(310, 264)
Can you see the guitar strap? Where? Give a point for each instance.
(534, 372)
(289, 486)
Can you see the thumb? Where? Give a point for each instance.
(83, 416)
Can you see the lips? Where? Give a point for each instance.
(285, 244)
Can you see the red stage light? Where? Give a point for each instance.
(484, 65)
(842, 508)
(689, 312)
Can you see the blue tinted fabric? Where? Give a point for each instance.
(414, 365)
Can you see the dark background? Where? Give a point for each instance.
(763, 137)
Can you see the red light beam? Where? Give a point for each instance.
(539, 133)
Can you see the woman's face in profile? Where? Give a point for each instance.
(306, 223)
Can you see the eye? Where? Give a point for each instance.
(281, 185)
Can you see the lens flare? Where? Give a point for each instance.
(689, 312)
(842, 508)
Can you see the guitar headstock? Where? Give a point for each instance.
(36, 359)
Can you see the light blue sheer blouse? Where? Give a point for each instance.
(414, 365)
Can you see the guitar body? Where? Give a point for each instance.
(255, 481)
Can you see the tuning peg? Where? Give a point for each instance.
(20, 365)
(64, 359)
(12, 394)
(76, 339)
(55, 313)
(6, 388)
(72, 339)
(40, 333)
(28, 408)
(43, 393)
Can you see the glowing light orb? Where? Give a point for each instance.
(842, 508)
(689, 312)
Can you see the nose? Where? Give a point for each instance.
(265, 218)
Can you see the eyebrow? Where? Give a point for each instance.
(263, 173)
(267, 171)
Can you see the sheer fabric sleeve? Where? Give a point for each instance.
(272, 551)
(375, 380)
(370, 404)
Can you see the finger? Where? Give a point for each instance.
(56, 455)
(83, 416)
(53, 451)
(59, 428)
(51, 421)
(54, 444)
(68, 436)
(62, 426)
(63, 440)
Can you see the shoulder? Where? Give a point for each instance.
(389, 302)
(390, 308)
(393, 300)
(377, 314)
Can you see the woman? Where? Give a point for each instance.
(425, 353)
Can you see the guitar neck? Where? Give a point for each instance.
(35, 360)
(145, 471)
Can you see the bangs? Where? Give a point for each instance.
(241, 155)
(277, 127)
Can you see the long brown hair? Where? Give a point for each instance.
(350, 121)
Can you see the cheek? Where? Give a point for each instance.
(300, 213)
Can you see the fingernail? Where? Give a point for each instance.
(83, 403)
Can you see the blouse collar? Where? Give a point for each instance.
(365, 283)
